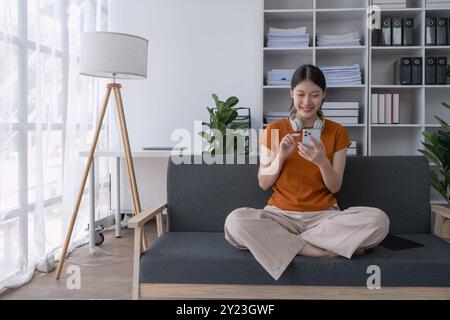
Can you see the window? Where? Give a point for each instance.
(37, 63)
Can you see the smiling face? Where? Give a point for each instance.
(308, 99)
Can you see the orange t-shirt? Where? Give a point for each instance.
(300, 186)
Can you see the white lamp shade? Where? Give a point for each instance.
(113, 55)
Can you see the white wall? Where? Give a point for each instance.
(196, 48)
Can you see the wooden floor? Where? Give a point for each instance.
(103, 277)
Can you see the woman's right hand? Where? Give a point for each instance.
(288, 144)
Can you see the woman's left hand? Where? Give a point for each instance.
(316, 154)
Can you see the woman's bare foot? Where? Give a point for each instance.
(309, 250)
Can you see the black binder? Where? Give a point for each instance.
(408, 32)
(448, 31)
(376, 37)
(402, 71)
(416, 70)
(386, 32)
(430, 31)
(396, 31)
(441, 70)
(441, 31)
(430, 70)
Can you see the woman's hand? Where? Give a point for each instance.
(316, 154)
(288, 144)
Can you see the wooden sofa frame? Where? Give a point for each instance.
(216, 291)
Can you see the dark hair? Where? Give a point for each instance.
(307, 72)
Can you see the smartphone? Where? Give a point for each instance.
(307, 134)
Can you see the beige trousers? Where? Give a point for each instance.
(275, 237)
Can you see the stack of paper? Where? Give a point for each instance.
(287, 38)
(342, 75)
(352, 150)
(279, 77)
(332, 40)
(390, 4)
(438, 4)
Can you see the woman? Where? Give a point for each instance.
(302, 216)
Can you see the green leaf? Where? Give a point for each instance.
(224, 115)
(239, 125)
(231, 116)
(222, 127)
(431, 157)
(231, 102)
(216, 98)
(438, 185)
(220, 105)
(443, 123)
(429, 147)
(212, 114)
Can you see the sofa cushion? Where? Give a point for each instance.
(207, 258)
(200, 196)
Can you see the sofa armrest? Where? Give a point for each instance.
(146, 215)
(137, 222)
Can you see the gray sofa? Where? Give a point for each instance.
(192, 259)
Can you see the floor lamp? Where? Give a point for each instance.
(116, 56)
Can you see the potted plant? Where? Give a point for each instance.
(222, 118)
(437, 150)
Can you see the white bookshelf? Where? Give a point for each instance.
(319, 16)
(418, 103)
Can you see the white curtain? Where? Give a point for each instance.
(48, 113)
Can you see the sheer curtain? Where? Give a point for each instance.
(47, 116)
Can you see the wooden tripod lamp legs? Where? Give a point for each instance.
(128, 158)
(130, 168)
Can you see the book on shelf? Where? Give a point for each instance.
(374, 108)
(390, 4)
(344, 120)
(395, 108)
(351, 152)
(388, 105)
(381, 108)
(281, 114)
(385, 108)
(437, 4)
(341, 105)
(340, 112)
(338, 119)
